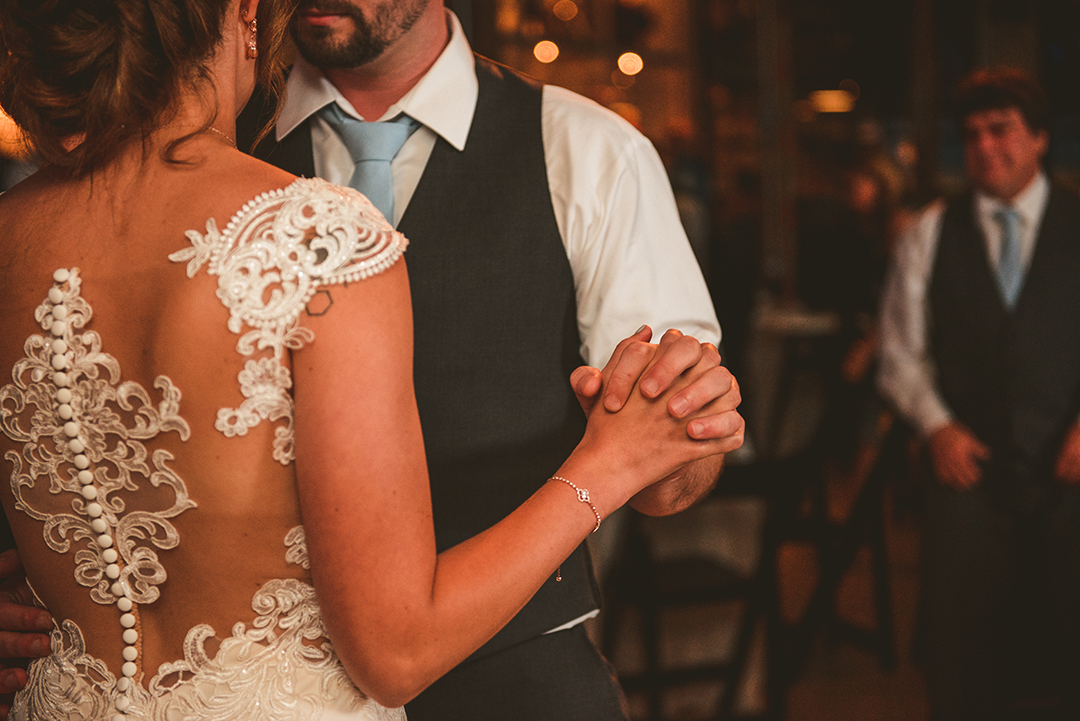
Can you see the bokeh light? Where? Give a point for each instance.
(631, 63)
(12, 141)
(832, 101)
(546, 51)
(565, 10)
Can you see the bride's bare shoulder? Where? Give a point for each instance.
(229, 182)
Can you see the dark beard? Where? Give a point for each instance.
(368, 42)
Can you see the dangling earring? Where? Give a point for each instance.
(252, 47)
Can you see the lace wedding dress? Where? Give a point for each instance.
(87, 435)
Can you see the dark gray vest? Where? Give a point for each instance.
(495, 329)
(1012, 376)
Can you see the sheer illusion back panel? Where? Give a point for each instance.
(155, 321)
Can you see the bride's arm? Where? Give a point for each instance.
(399, 614)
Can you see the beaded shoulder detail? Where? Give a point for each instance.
(273, 257)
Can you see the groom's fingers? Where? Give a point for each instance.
(725, 429)
(676, 354)
(12, 680)
(614, 399)
(10, 565)
(714, 386)
(21, 625)
(623, 376)
(23, 644)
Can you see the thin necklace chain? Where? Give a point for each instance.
(211, 128)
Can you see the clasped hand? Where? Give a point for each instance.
(699, 389)
(957, 455)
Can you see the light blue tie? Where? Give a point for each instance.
(1010, 270)
(372, 147)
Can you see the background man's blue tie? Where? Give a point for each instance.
(372, 146)
(1010, 270)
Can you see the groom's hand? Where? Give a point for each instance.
(674, 355)
(21, 627)
(714, 397)
(630, 358)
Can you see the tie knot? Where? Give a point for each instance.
(1007, 216)
(370, 140)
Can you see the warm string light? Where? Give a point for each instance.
(12, 140)
(546, 51)
(565, 10)
(630, 63)
(832, 101)
(840, 100)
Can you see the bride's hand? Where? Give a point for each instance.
(643, 442)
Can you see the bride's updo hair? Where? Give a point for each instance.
(107, 72)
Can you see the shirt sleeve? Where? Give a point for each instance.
(906, 374)
(615, 209)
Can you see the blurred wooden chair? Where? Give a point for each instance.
(836, 543)
(646, 585)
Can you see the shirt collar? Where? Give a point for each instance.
(1030, 203)
(444, 99)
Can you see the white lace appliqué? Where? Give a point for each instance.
(84, 437)
(280, 668)
(275, 254)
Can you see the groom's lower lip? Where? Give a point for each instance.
(317, 17)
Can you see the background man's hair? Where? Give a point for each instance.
(1001, 88)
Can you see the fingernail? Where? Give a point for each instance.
(40, 647)
(649, 387)
(679, 406)
(611, 403)
(43, 622)
(694, 429)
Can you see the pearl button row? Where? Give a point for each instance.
(63, 380)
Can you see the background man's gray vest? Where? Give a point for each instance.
(1013, 376)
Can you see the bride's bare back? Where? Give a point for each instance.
(149, 421)
(156, 322)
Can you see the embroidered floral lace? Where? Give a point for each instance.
(67, 406)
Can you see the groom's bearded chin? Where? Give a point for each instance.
(357, 40)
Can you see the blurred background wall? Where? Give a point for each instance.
(764, 109)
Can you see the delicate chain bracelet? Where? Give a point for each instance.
(583, 496)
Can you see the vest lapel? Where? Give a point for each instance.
(293, 153)
(1051, 248)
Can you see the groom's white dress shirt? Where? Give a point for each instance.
(614, 207)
